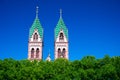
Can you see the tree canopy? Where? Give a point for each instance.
(88, 68)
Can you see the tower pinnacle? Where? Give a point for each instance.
(60, 13)
(37, 11)
(48, 58)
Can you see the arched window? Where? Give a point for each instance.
(35, 37)
(37, 53)
(63, 52)
(59, 52)
(61, 37)
(32, 53)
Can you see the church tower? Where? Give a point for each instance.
(35, 44)
(61, 39)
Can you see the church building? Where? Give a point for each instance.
(35, 43)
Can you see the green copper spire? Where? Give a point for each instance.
(36, 25)
(61, 26)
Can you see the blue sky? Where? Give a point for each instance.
(94, 26)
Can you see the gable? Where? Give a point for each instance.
(65, 38)
(32, 37)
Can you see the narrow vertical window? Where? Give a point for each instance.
(63, 52)
(35, 37)
(59, 53)
(37, 53)
(61, 37)
(32, 53)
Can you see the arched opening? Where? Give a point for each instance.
(35, 37)
(63, 52)
(59, 52)
(61, 37)
(37, 53)
(32, 53)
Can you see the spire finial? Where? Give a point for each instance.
(48, 58)
(37, 11)
(60, 13)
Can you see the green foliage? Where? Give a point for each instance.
(88, 68)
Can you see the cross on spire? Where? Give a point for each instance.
(37, 11)
(60, 13)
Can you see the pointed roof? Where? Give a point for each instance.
(36, 25)
(61, 26)
(48, 58)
